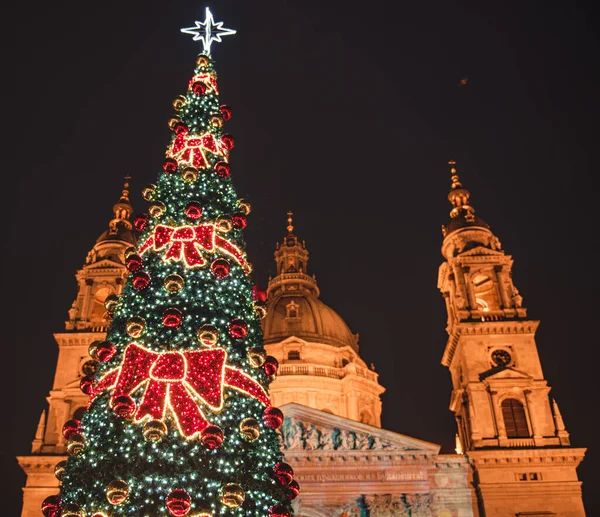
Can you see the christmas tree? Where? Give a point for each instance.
(179, 420)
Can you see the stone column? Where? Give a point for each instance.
(352, 398)
(499, 419)
(532, 419)
(459, 281)
(502, 287)
(469, 288)
(87, 300)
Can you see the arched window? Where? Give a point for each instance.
(293, 355)
(515, 419)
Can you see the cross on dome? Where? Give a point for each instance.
(208, 31)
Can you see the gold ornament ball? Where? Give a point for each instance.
(155, 430)
(216, 121)
(250, 429)
(232, 495)
(117, 491)
(257, 356)
(208, 335)
(189, 174)
(261, 311)
(173, 121)
(148, 192)
(224, 224)
(75, 444)
(202, 61)
(71, 510)
(59, 469)
(179, 102)
(130, 251)
(173, 283)
(156, 209)
(201, 509)
(111, 302)
(135, 326)
(245, 207)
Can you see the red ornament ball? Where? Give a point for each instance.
(238, 328)
(228, 141)
(87, 384)
(258, 294)
(140, 280)
(225, 111)
(178, 502)
(284, 473)
(111, 302)
(133, 262)
(193, 210)
(51, 506)
(179, 127)
(199, 88)
(172, 318)
(223, 169)
(212, 437)
(105, 351)
(220, 268)
(140, 221)
(271, 365)
(294, 489)
(123, 406)
(279, 510)
(170, 165)
(239, 221)
(71, 427)
(272, 417)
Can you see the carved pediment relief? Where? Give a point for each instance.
(309, 429)
(104, 264)
(508, 373)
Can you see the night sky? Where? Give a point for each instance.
(347, 115)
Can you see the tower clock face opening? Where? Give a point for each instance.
(501, 357)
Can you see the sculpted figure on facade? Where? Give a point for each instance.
(311, 439)
(292, 434)
(346, 440)
(386, 506)
(420, 505)
(363, 441)
(328, 441)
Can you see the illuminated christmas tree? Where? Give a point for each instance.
(179, 420)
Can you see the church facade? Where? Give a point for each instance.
(513, 455)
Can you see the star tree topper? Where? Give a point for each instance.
(208, 31)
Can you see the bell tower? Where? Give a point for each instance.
(102, 274)
(508, 425)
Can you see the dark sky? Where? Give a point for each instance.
(347, 115)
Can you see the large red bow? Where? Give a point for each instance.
(191, 149)
(180, 381)
(186, 242)
(208, 79)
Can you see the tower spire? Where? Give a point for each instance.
(122, 210)
(459, 197)
(290, 226)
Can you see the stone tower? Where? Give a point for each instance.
(102, 274)
(509, 428)
(318, 354)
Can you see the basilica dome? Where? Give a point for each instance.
(303, 315)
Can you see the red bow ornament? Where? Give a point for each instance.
(178, 381)
(192, 149)
(185, 243)
(209, 81)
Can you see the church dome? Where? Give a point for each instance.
(303, 315)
